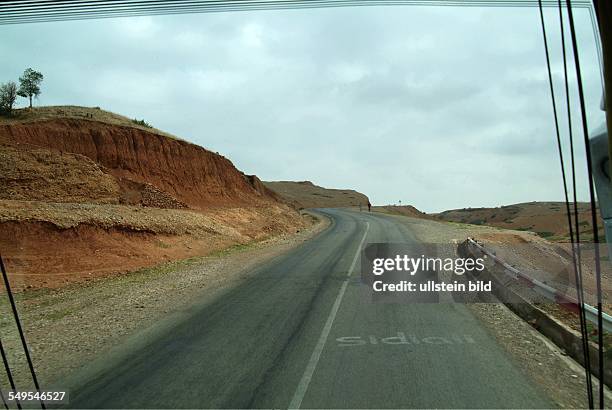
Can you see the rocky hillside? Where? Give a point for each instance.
(308, 195)
(85, 192)
(189, 173)
(547, 219)
(28, 173)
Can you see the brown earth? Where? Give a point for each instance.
(28, 173)
(24, 115)
(305, 194)
(547, 219)
(85, 193)
(404, 210)
(48, 245)
(187, 172)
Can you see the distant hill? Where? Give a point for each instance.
(547, 219)
(305, 194)
(404, 210)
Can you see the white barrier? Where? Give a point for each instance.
(546, 290)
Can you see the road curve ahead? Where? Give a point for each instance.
(299, 333)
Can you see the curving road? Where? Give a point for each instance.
(299, 333)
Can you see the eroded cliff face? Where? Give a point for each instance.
(189, 173)
(83, 198)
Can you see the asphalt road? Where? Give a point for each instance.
(300, 333)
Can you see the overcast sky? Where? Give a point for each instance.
(439, 107)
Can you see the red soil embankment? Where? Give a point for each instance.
(189, 173)
(50, 245)
(84, 198)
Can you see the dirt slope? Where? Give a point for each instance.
(547, 219)
(28, 173)
(305, 194)
(187, 172)
(53, 244)
(404, 210)
(84, 193)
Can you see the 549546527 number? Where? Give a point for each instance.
(47, 396)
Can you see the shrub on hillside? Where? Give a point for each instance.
(142, 122)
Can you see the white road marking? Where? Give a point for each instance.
(302, 387)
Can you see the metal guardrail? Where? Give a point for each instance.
(545, 290)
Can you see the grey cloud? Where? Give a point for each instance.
(439, 107)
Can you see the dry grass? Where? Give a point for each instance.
(24, 115)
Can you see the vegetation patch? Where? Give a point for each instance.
(142, 123)
(545, 234)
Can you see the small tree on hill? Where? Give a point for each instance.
(8, 95)
(29, 84)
